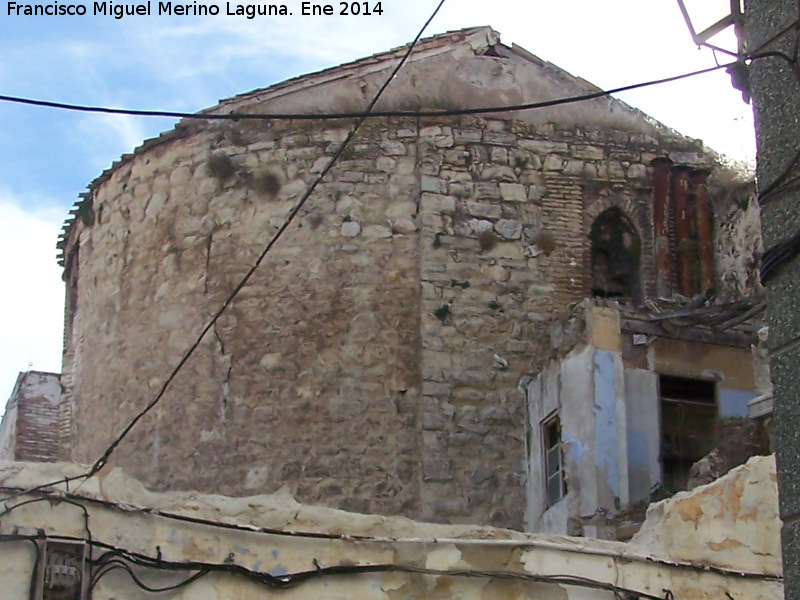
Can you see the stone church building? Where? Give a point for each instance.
(386, 355)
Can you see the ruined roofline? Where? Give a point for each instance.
(479, 41)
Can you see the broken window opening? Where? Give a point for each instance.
(688, 417)
(616, 250)
(553, 450)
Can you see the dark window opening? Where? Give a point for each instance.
(616, 250)
(688, 418)
(555, 478)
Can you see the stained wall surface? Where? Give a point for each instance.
(372, 361)
(612, 421)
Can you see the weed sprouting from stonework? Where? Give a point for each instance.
(236, 137)
(314, 220)
(487, 240)
(267, 183)
(545, 241)
(442, 313)
(520, 161)
(220, 167)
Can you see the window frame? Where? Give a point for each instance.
(553, 466)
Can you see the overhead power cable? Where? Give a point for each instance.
(101, 462)
(118, 558)
(205, 116)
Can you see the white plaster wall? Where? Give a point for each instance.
(567, 387)
(8, 427)
(678, 544)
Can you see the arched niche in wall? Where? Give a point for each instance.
(616, 251)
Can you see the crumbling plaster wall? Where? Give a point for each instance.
(605, 391)
(587, 390)
(720, 541)
(8, 425)
(358, 366)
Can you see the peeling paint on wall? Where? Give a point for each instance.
(605, 420)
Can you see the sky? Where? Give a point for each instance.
(186, 63)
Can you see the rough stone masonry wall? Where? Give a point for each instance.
(506, 209)
(311, 379)
(358, 367)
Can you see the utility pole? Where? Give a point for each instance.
(773, 37)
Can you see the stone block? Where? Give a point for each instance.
(430, 131)
(487, 191)
(498, 173)
(404, 226)
(376, 232)
(483, 210)
(433, 184)
(461, 189)
(615, 170)
(436, 203)
(505, 139)
(553, 162)
(544, 147)
(588, 152)
(637, 171)
(498, 155)
(392, 148)
(573, 167)
(443, 141)
(350, 229)
(385, 164)
(509, 229)
(513, 192)
(467, 136)
(320, 164)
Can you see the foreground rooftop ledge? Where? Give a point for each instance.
(729, 527)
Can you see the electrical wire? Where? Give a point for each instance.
(118, 558)
(117, 565)
(778, 255)
(358, 115)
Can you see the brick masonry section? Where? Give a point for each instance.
(31, 428)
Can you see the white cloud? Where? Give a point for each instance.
(32, 305)
(110, 135)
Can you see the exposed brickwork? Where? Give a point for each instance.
(33, 430)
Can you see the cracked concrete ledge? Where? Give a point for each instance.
(720, 538)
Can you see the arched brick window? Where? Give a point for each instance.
(616, 253)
